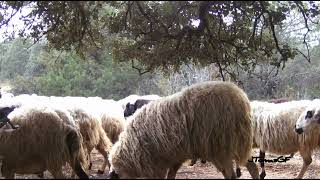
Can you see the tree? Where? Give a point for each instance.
(164, 34)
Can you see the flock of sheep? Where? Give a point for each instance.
(151, 136)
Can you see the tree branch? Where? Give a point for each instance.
(139, 69)
(308, 30)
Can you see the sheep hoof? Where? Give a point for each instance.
(191, 164)
(90, 166)
(291, 155)
(262, 175)
(238, 172)
(100, 172)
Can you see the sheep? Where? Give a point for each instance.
(112, 126)
(273, 131)
(4, 93)
(60, 144)
(72, 111)
(93, 135)
(280, 100)
(309, 118)
(4, 112)
(210, 120)
(131, 108)
(132, 98)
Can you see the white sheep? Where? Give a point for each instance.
(210, 120)
(274, 131)
(42, 142)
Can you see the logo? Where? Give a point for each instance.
(279, 159)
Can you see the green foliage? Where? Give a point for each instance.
(54, 73)
(161, 34)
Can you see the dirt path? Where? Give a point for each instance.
(282, 170)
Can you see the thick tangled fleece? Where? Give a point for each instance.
(42, 142)
(210, 120)
(273, 127)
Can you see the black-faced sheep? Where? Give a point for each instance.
(209, 120)
(131, 108)
(132, 98)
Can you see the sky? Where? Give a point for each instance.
(15, 23)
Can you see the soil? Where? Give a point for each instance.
(282, 170)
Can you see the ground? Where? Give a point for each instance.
(287, 170)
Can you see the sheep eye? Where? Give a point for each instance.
(309, 114)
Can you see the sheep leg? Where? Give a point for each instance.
(90, 165)
(57, 173)
(253, 170)
(41, 175)
(227, 170)
(105, 162)
(262, 157)
(307, 159)
(238, 170)
(6, 171)
(9, 176)
(291, 155)
(173, 171)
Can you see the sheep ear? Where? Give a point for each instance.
(309, 114)
(113, 175)
(128, 104)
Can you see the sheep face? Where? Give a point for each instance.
(130, 109)
(112, 175)
(4, 112)
(310, 117)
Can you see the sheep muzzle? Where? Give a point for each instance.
(113, 175)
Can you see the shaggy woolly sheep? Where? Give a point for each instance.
(274, 131)
(73, 111)
(93, 135)
(132, 108)
(110, 113)
(209, 120)
(28, 151)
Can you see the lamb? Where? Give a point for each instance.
(273, 131)
(210, 120)
(41, 131)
